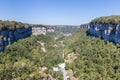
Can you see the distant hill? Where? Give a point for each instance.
(65, 28)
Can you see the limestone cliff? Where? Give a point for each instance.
(107, 29)
(9, 36)
(11, 31)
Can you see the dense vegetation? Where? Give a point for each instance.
(108, 19)
(25, 57)
(11, 25)
(96, 59)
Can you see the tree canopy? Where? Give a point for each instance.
(11, 25)
(115, 19)
(96, 59)
(26, 57)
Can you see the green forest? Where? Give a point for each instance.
(96, 59)
(11, 25)
(26, 56)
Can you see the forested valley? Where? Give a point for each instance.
(96, 59)
(86, 57)
(25, 58)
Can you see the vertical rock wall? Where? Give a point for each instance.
(9, 36)
(110, 32)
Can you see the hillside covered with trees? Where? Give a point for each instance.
(96, 59)
(25, 58)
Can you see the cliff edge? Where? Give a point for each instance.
(108, 28)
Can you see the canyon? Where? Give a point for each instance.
(8, 37)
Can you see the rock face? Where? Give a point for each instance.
(106, 31)
(85, 26)
(11, 31)
(39, 30)
(9, 36)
